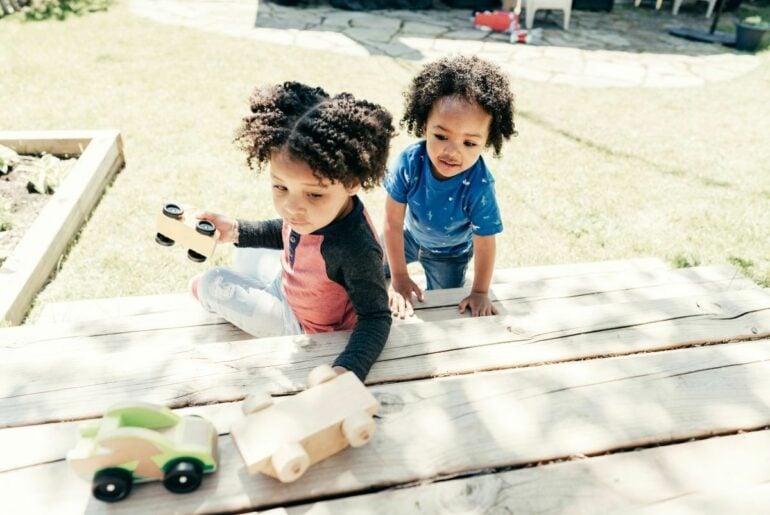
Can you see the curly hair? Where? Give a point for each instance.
(340, 138)
(469, 78)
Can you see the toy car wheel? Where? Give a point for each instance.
(205, 228)
(172, 210)
(256, 401)
(320, 374)
(163, 240)
(194, 256)
(290, 462)
(358, 429)
(183, 477)
(111, 485)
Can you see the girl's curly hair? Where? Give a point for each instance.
(340, 138)
(467, 77)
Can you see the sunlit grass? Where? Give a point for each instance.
(595, 174)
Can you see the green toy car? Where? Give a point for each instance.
(139, 442)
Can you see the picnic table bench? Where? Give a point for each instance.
(604, 387)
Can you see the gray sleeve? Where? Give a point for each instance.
(265, 233)
(360, 272)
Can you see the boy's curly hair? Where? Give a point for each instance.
(340, 138)
(467, 77)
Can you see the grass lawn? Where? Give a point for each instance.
(595, 174)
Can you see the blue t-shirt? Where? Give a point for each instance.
(442, 215)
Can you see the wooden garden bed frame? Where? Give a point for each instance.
(100, 156)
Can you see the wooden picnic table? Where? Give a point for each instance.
(620, 386)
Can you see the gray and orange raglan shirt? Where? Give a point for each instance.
(333, 281)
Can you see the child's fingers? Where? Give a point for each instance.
(408, 309)
(397, 307)
(204, 215)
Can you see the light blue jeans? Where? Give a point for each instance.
(249, 296)
(440, 271)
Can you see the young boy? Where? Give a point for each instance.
(441, 208)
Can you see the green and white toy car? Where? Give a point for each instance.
(139, 442)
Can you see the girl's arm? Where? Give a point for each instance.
(364, 282)
(266, 233)
(484, 249)
(401, 285)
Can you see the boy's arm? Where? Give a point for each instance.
(364, 281)
(401, 286)
(484, 249)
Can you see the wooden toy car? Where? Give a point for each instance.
(141, 442)
(283, 439)
(199, 236)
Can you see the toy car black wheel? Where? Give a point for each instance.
(172, 210)
(194, 256)
(183, 477)
(111, 485)
(205, 228)
(163, 240)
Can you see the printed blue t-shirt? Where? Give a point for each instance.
(442, 215)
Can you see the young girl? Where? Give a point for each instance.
(441, 207)
(321, 151)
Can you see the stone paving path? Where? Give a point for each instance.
(628, 47)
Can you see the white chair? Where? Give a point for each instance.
(658, 3)
(709, 10)
(532, 6)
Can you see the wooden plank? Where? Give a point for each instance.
(729, 474)
(539, 272)
(69, 312)
(175, 371)
(581, 291)
(49, 142)
(461, 424)
(34, 258)
(657, 283)
(563, 294)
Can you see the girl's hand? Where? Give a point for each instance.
(224, 224)
(479, 304)
(400, 295)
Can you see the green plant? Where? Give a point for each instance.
(8, 159)
(6, 219)
(746, 266)
(60, 9)
(50, 173)
(685, 261)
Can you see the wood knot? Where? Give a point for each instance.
(389, 403)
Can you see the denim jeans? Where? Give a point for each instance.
(249, 296)
(440, 271)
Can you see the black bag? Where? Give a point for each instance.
(369, 5)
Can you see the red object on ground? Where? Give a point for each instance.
(498, 21)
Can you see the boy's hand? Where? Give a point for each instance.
(479, 304)
(400, 295)
(224, 224)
